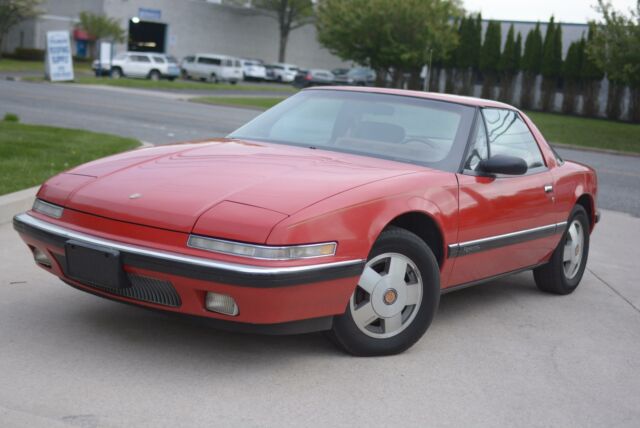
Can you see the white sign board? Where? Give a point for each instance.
(105, 54)
(58, 62)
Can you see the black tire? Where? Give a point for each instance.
(213, 78)
(116, 73)
(551, 277)
(154, 75)
(171, 79)
(233, 82)
(347, 335)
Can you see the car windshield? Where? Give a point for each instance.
(402, 128)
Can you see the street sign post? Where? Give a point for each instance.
(58, 63)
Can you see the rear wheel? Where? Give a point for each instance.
(395, 300)
(213, 78)
(154, 75)
(567, 264)
(116, 73)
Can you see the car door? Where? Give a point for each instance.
(506, 222)
(139, 65)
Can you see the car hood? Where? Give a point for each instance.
(170, 187)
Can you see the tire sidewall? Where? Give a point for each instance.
(406, 243)
(578, 213)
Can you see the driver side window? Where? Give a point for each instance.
(503, 132)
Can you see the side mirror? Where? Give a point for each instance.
(501, 164)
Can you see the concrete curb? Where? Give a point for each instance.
(594, 150)
(16, 202)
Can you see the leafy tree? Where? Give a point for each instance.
(490, 58)
(100, 27)
(13, 12)
(591, 75)
(389, 34)
(572, 73)
(290, 15)
(616, 48)
(531, 63)
(508, 66)
(551, 67)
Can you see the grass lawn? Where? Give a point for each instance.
(177, 84)
(253, 102)
(29, 154)
(11, 65)
(579, 131)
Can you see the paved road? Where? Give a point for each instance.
(164, 118)
(501, 354)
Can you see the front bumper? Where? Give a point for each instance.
(266, 296)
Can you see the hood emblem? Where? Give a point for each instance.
(135, 196)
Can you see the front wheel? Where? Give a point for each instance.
(154, 75)
(567, 264)
(395, 300)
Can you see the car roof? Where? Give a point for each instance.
(458, 99)
(214, 55)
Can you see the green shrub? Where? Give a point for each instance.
(28, 54)
(11, 117)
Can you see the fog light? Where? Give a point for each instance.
(221, 303)
(41, 258)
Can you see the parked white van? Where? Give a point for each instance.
(212, 67)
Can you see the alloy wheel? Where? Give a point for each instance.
(388, 296)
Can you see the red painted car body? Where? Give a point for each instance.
(278, 195)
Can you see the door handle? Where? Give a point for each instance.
(548, 188)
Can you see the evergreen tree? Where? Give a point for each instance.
(551, 64)
(591, 76)
(571, 72)
(490, 58)
(508, 66)
(517, 55)
(531, 63)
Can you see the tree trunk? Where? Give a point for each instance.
(415, 82)
(526, 93)
(488, 85)
(634, 107)
(381, 77)
(590, 104)
(284, 38)
(569, 99)
(506, 89)
(614, 100)
(548, 93)
(449, 81)
(434, 79)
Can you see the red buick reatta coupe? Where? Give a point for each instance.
(348, 210)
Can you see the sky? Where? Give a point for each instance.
(574, 11)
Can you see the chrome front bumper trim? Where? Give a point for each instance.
(25, 223)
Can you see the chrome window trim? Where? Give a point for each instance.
(477, 245)
(27, 219)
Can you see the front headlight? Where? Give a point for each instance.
(264, 252)
(48, 209)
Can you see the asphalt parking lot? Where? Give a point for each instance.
(500, 354)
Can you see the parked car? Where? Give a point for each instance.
(361, 76)
(284, 72)
(212, 67)
(253, 69)
(342, 209)
(315, 77)
(149, 65)
(340, 71)
(270, 73)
